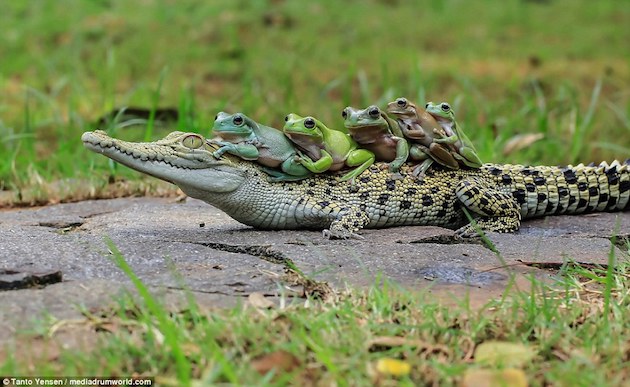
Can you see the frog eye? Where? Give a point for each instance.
(286, 118)
(374, 112)
(192, 141)
(402, 102)
(309, 123)
(445, 107)
(238, 120)
(344, 113)
(427, 105)
(216, 117)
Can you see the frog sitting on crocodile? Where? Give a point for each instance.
(374, 130)
(445, 116)
(326, 149)
(425, 135)
(249, 140)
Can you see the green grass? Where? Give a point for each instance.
(578, 330)
(559, 68)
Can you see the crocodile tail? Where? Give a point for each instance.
(572, 189)
(611, 184)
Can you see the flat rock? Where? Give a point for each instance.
(191, 246)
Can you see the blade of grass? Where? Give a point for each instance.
(166, 326)
(148, 134)
(578, 139)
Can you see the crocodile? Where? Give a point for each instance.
(496, 196)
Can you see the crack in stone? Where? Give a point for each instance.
(61, 224)
(203, 291)
(265, 252)
(16, 279)
(311, 287)
(460, 275)
(447, 240)
(61, 227)
(95, 214)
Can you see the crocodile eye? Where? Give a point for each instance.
(192, 141)
(402, 102)
(344, 113)
(309, 123)
(445, 107)
(238, 120)
(374, 112)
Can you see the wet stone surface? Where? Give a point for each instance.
(191, 245)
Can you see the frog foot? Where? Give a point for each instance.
(276, 176)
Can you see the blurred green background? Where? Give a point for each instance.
(531, 81)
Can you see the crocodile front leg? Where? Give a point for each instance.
(348, 221)
(492, 210)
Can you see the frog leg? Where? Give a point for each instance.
(445, 140)
(413, 131)
(291, 171)
(225, 146)
(402, 153)
(277, 176)
(244, 151)
(469, 157)
(492, 210)
(443, 156)
(419, 152)
(294, 168)
(361, 157)
(465, 140)
(420, 169)
(319, 166)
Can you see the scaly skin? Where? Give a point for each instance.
(326, 149)
(373, 130)
(497, 196)
(247, 139)
(445, 116)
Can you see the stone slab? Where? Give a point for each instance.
(191, 245)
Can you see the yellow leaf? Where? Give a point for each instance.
(395, 341)
(494, 378)
(394, 367)
(503, 353)
(278, 360)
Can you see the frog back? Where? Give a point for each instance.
(274, 143)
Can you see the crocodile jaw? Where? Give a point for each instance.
(196, 175)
